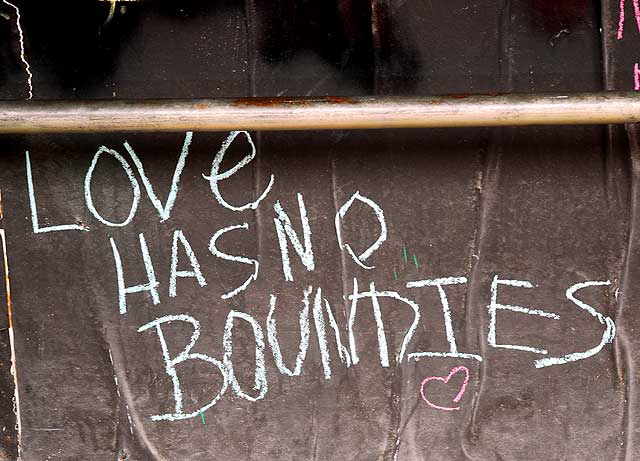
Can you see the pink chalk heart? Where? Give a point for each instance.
(456, 399)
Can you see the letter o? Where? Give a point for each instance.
(132, 179)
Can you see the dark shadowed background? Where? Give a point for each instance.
(552, 205)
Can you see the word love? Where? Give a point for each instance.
(458, 397)
(164, 210)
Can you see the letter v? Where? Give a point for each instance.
(163, 211)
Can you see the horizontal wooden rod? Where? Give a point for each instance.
(339, 113)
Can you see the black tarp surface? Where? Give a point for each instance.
(505, 258)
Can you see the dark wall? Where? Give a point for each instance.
(553, 206)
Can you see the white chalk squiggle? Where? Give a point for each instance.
(23, 56)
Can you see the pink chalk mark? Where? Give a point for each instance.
(458, 397)
(636, 12)
(636, 77)
(621, 20)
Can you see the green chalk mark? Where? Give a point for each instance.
(395, 274)
(202, 416)
(415, 261)
(404, 249)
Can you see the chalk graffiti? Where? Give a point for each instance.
(620, 34)
(458, 397)
(339, 337)
(23, 53)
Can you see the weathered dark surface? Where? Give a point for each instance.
(554, 206)
(8, 430)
